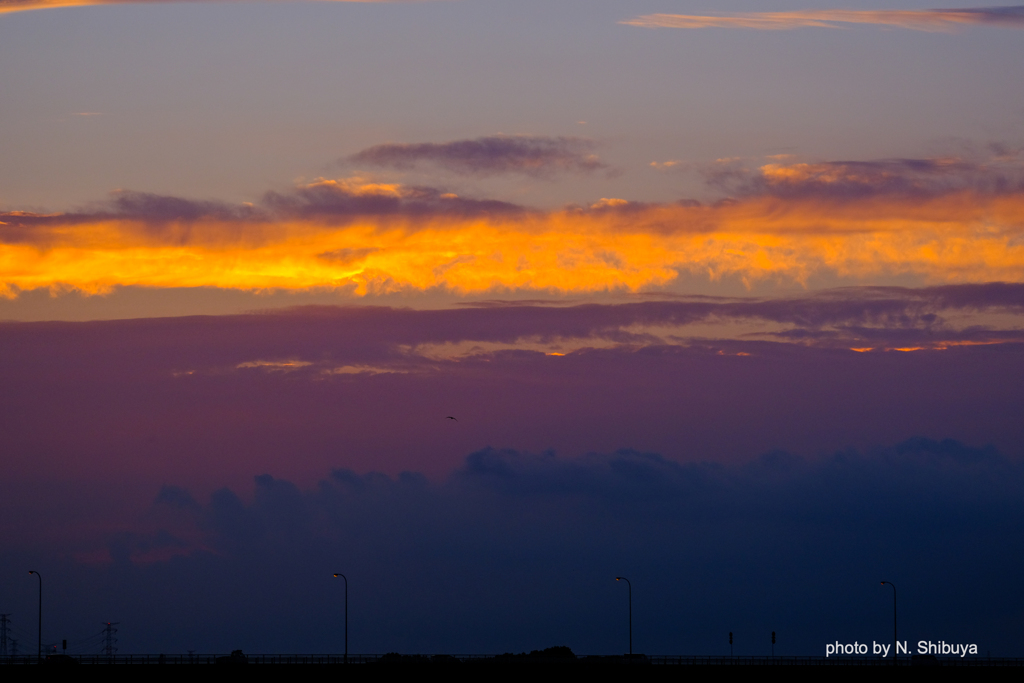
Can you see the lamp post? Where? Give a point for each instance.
(39, 650)
(623, 578)
(346, 614)
(895, 639)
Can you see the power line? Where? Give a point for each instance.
(14, 635)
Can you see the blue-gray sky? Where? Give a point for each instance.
(225, 100)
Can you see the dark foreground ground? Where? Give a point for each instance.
(511, 660)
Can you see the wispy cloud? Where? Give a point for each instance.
(9, 6)
(313, 341)
(526, 154)
(937, 20)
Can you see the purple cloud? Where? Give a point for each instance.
(339, 200)
(377, 334)
(853, 180)
(172, 218)
(492, 155)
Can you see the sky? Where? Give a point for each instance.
(727, 298)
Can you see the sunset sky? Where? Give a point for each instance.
(726, 297)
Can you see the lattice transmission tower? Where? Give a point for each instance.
(109, 641)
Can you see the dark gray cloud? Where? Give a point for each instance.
(495, 154)
(518, 551)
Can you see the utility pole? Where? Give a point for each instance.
(39, 647)
(345, 578)
(623, 578)
(895, 636)
(110, 642)
(3, 634)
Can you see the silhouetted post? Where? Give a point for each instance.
(730, 643)
(623, 578)
(346, 614)
(895, 637)
(773, 644)
(39, 651)
(3, 635)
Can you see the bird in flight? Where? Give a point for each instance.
(450, 418)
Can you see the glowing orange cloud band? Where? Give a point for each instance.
(920, 20)
(961, 237)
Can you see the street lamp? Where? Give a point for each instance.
(895, 640)
(346, 614)
(39, 650)
(623, 578)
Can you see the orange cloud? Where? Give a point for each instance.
(453, 244)
(944, 20)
